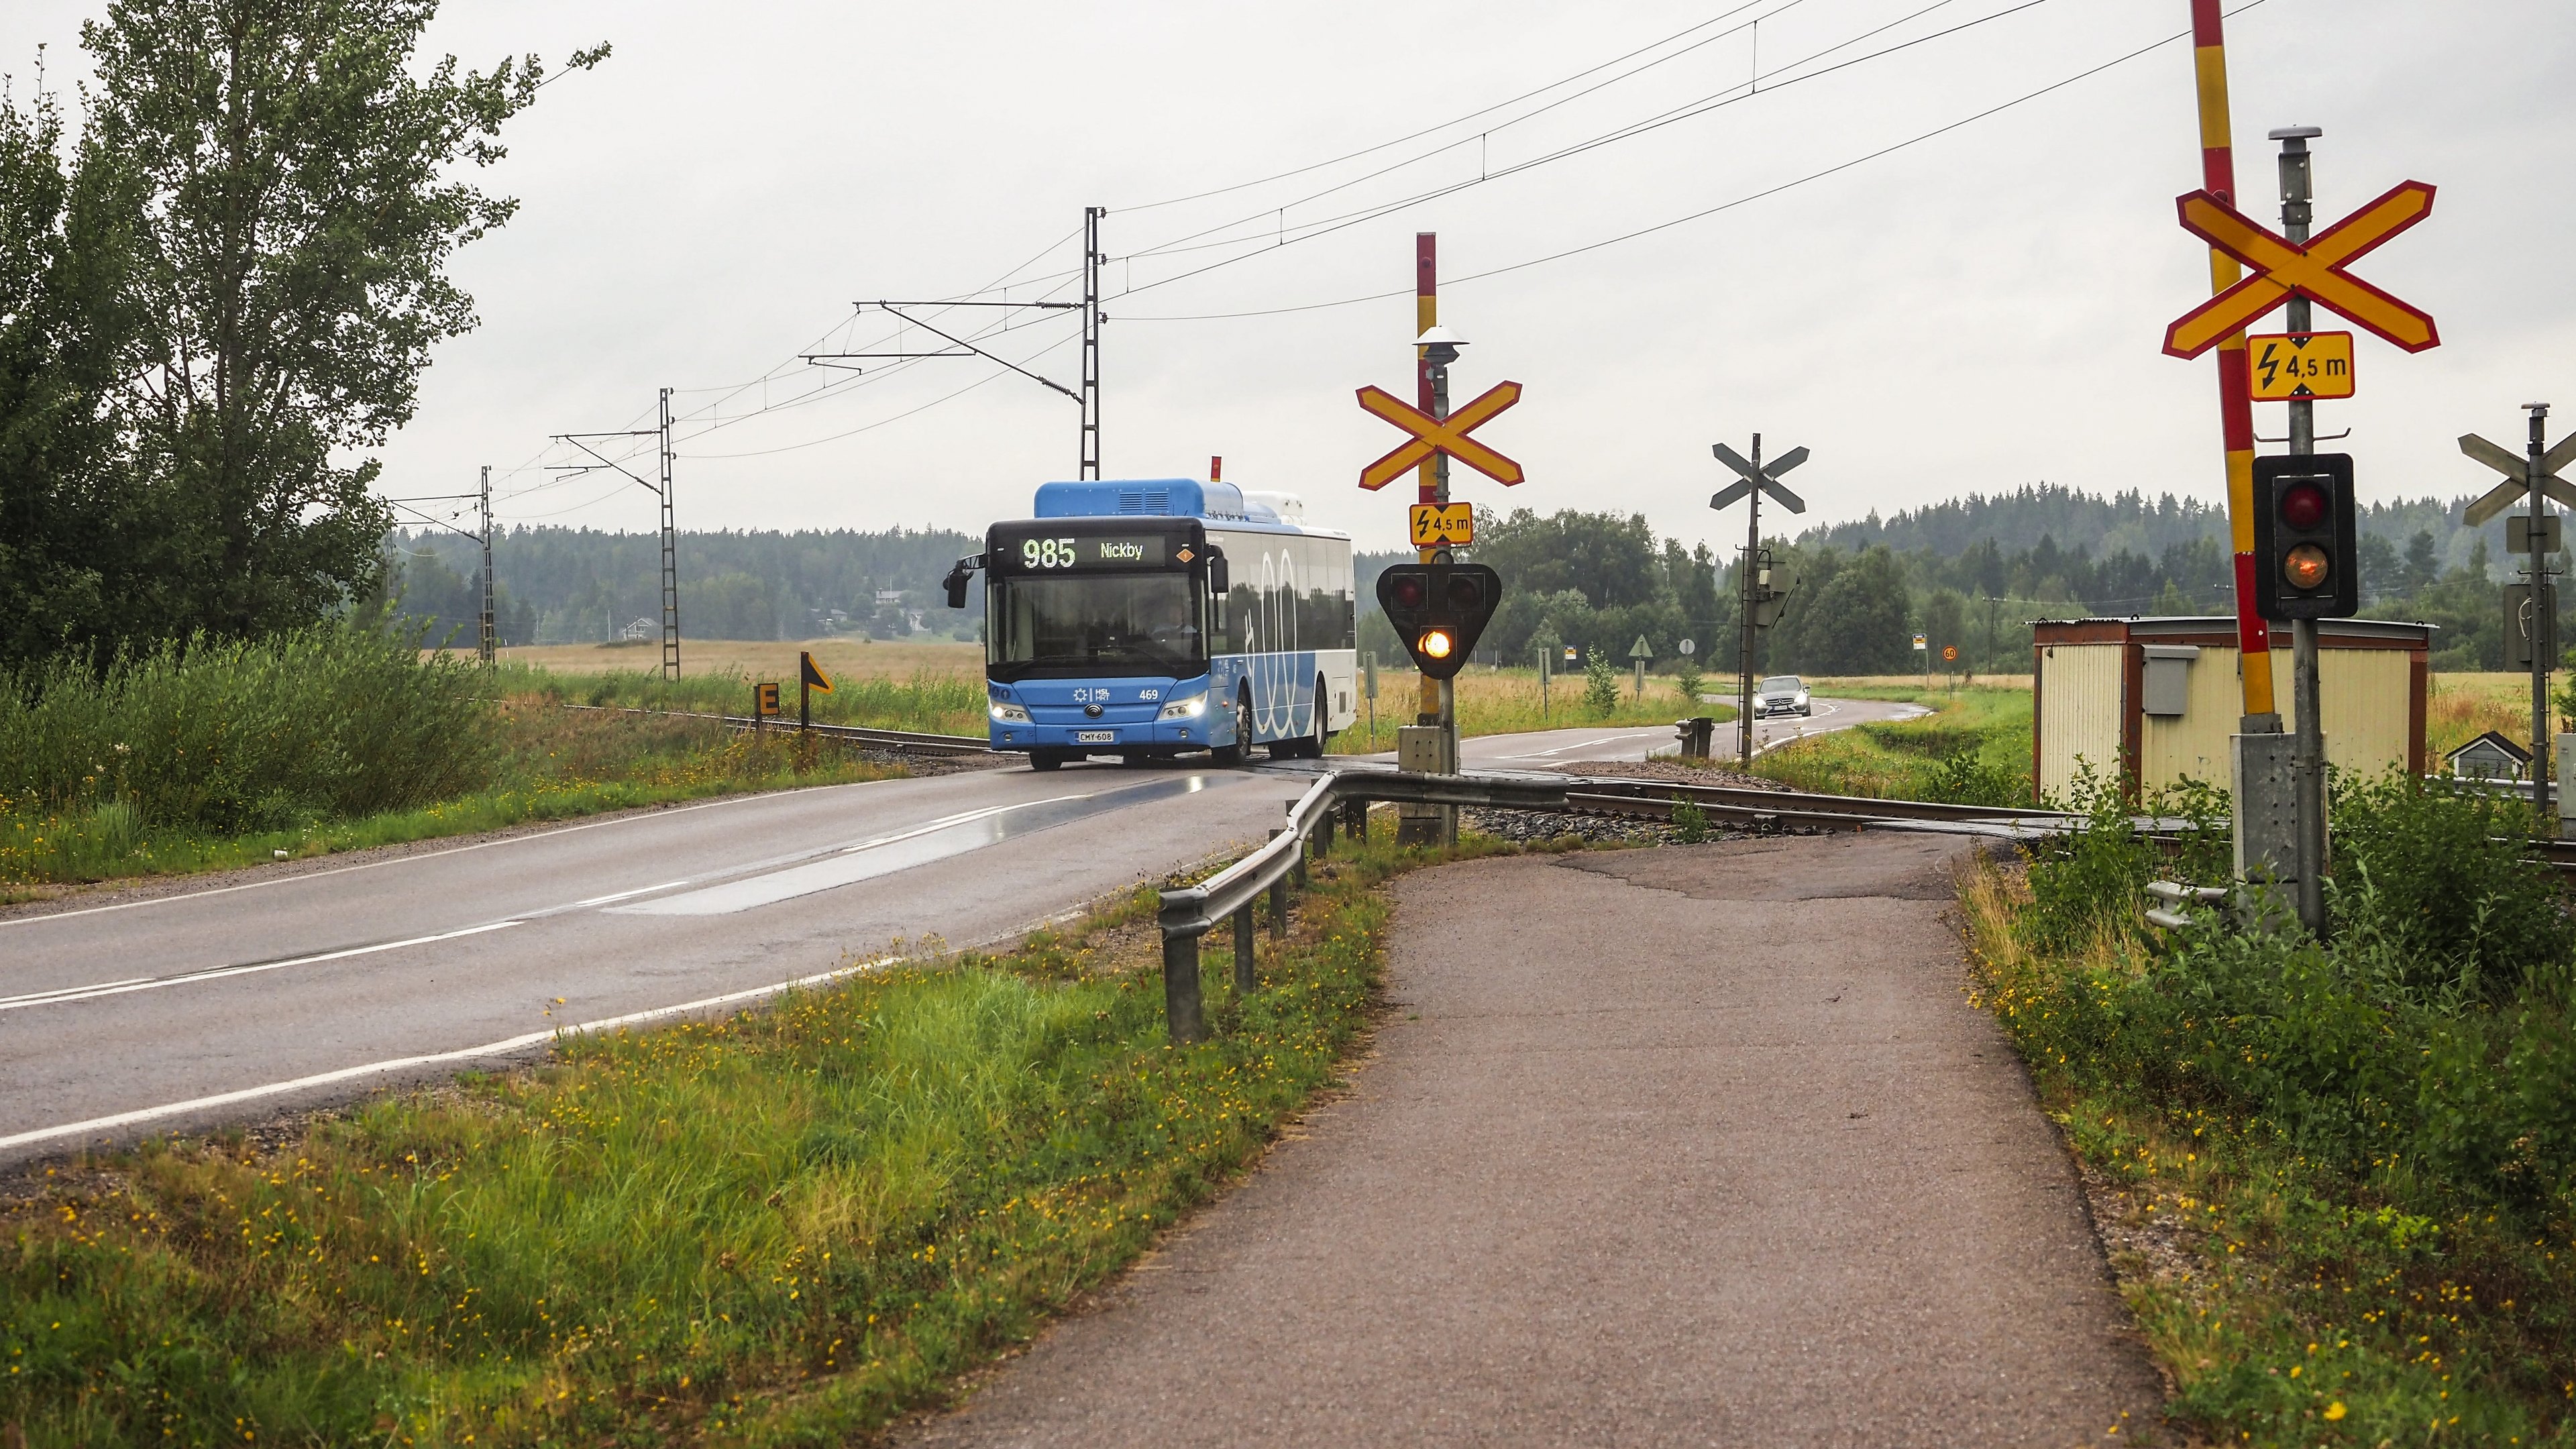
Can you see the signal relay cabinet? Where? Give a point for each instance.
(2163, 693)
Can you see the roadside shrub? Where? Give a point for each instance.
(1690, 822)
(2438, 873)
(1966, 777)
(1687, 682)
(1600, 688)
(2085, 887)
(335, 720)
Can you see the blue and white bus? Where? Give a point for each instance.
(1164, 617)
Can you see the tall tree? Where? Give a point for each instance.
(66, 513)
(296, 205)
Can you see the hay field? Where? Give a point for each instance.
(765, 659)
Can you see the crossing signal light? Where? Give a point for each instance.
(1439, 610)
(2305, 538)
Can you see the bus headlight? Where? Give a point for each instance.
(1190, 708)
(1008, 713)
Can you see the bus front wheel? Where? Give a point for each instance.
(1046, 759)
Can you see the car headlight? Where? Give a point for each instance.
(1008, 713)
(1801, 700)
(1190, 708)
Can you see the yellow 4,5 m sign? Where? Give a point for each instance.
(1443, 525)
(2287, 366)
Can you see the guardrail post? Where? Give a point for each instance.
(1245, 980)
(1355, 821)
(1323, 835)
(1181, 1011)
(1279, 900)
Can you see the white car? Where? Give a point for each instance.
(1781, 694)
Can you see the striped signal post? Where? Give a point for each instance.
(2235, 404)
(1435, 824)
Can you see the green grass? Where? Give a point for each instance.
(1974, 749)
(546, 764)
(1509, 701)
(934, 703)
(782, 1228)
(2359, 1158)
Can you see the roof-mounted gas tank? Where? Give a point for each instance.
(1151, 497)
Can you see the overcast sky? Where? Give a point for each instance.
(1974, 312)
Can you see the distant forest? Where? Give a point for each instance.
(1969, 572)
(579, 585)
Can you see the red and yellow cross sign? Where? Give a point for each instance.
(2315, 271)
(1440, 435)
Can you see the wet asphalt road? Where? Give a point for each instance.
(124, 1014)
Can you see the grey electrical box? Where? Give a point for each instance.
(2267, 807)
(1423, 750)
(2565, 759)
(2517, 533)
(2168, 681)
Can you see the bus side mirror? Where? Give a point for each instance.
(958, 577)
(1217, 579)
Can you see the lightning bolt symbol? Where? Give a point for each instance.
(2271, 362)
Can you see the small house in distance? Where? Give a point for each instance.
(2156, 699)
(2489, 757)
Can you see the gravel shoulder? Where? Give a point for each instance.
(1691, 1145)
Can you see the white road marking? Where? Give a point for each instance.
(120, 988)
(845, 867)
(464, 1054)
(252, 885)
(1588, 744)
(629, 895)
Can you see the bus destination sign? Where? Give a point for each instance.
(1076, 552)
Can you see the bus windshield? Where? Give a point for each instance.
(1096, 624)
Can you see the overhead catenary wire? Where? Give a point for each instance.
(1817, 175)
(1690, 110)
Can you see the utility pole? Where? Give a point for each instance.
(2529, 479)
(2544, 617)
(1436, 703)
(1092, 317)
(1749, 634)
(2308, 749)
(670, 556)
(1756, 597)
(661, 433)
(1086, 396)
(488, 640)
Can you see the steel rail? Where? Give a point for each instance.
(863, 734)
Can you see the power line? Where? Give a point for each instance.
(1747, 199)
(1444, 125)
(1688, 111)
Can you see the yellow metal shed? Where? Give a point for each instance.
(2156, 699)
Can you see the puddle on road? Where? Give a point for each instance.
(871, 859)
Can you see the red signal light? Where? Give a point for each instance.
(1466, 592)
(1409, 591)
(2304, 505)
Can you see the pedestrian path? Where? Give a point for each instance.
(1697, 1145)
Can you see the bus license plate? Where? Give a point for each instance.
(1095, 737)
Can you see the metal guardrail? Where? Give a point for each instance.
(2176, 895)
(890, 739)
(1192, 911)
